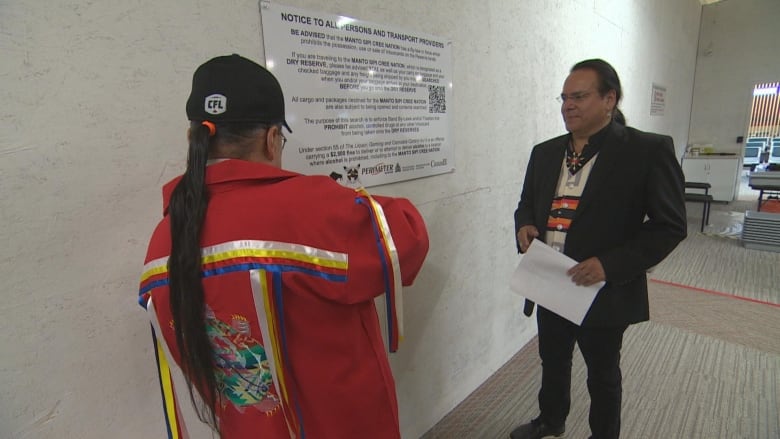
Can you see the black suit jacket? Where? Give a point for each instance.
(631, 214)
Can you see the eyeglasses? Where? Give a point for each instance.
(574, 97)
(284, 139)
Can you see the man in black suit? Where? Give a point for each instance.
(612, 198)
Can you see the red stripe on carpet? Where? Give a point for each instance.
(717, 293)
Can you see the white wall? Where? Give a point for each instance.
(92, 123)
(738, 48)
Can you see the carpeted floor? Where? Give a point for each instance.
(701, 369)
(750, 324)
(720, 263)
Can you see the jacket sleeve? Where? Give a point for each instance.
(366, 272)
(524, 214)
(665, 225)
(409, 233)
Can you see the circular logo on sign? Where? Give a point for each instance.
(215, 104)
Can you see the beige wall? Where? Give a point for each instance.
(92, 123)
(738, 48)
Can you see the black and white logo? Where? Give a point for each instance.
(352, 173)
(215, 104)
(353, 176)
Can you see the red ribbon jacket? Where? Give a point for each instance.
(291, 267)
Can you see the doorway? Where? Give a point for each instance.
(762, 143)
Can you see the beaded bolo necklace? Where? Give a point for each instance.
(576, 160)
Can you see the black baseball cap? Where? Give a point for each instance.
(234, 89)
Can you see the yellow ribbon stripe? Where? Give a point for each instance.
(168, 394)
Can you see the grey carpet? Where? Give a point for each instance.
(722, 264)
(679, 382)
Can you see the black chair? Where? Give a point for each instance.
(705, 198)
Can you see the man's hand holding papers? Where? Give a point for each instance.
(557, 282)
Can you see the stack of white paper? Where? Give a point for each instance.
(541, 276)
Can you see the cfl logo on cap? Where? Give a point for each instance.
(215, 104)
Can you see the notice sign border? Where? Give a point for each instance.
(369, 104)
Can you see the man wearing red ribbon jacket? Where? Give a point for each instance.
(260, 283)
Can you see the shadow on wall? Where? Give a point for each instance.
(423, 367)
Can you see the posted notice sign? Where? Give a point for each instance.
(368, 103)
(657, 100)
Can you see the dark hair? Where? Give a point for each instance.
(608, 80)
(187, 210)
